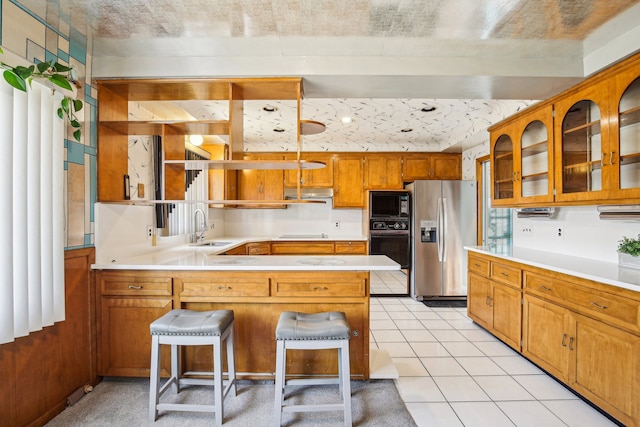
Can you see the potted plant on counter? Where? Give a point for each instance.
(629, 252)
(57, 77)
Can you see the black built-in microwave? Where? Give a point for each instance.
(389, 204)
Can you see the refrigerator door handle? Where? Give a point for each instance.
(439, 229)
(443, 229)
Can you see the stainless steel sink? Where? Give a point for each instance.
(212, 244)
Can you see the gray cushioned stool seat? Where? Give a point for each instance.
(189, 322)
(330, 325)
(188, 327)
(316, 331)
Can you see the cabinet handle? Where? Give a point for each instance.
(544, 288)
(564, 338)
(224, 288)
(502, 273)
(602, 159)
(319, 288)
(486, 300)
(476, 264)
(490, 301)
(601, 307)
(570, 343)
(611, 162)
(135, 287)
(515, 177)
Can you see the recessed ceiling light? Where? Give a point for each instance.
(346, 119)
(428, 109)
(270, 108)
(278, 130)
(405, 130)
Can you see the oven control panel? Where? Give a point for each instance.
(389, 225)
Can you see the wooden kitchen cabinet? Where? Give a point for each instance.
(584, 333)
(259, 248)
(310, 247)
(348, 181)
(311, 178)
(261, 184)
(431, 166)
(521, 159)
(382, 172)
(128, 305)
(351, 248)
(495, 300)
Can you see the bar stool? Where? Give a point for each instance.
(301, 331)
(188, 327)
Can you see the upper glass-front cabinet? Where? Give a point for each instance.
(627, 139)
(503, 170)
(582, 139)
(522, 160)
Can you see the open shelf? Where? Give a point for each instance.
(507, 155)
(630, 117)
(593, 126)
(536, 176)
(582, 167)
(533, 149)
(200, 127)
(245, 164)
(630, 159)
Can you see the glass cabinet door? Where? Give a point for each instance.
(503, 173)
(629, 138)
(581, 148)
(534, 158)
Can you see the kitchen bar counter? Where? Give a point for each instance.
(600, 271)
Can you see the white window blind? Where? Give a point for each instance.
(32, 226)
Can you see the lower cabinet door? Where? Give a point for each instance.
(479, 300)
(607, 368)
(507, 314)
(125, 339)
(546, 331)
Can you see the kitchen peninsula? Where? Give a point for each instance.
(135, 291)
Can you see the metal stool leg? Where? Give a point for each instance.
(154, 387)
(345, 379)
(281, 357)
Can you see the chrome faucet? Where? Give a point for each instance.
(198, 229)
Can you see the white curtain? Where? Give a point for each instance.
(32, 221)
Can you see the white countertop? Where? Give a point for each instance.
(194, 257)
(600, 271)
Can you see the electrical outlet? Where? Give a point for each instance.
(560, 233)
(337, 224)
(149, 232)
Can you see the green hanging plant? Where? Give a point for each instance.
(60, 75)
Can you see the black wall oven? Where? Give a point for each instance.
(389, 225)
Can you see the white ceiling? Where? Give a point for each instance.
(378, 61)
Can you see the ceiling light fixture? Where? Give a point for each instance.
(270, 108)
(346, 119)
(428, 109)
(279, 130)
(196, 140)
(405, 130)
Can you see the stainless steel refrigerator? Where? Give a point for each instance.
(443, 222)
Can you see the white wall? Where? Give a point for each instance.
(296, 219)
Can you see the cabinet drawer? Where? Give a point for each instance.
(611, 308)
(225, 287)
(293, 287)
(350, 248)
(258, 249)
(479, 266)
(135, 285)
(506, 274)
(297, 248)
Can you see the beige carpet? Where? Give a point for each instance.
(124, 402)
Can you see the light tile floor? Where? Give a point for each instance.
(453, 373)
(388, 282)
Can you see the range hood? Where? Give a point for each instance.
(535, 212)
(308, 193)
(620, 212)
